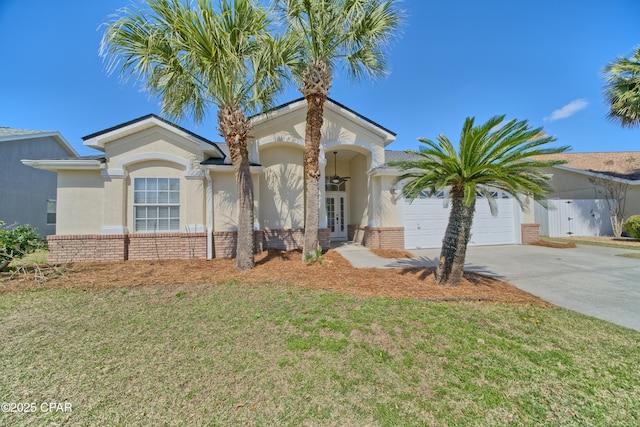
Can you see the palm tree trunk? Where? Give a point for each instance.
(312, 175)
(234, 128)
(316, 83)
(454, 245)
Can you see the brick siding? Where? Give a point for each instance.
(224, 242)
(530, 233)
(118, 247)
(377, 237)
(92, 247)
(167, 246)
(150, 246)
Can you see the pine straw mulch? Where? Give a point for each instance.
(334, 274)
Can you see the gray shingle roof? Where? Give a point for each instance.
(394, 156)
(9, 132)
(624, 165)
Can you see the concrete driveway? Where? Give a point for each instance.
(591, 280)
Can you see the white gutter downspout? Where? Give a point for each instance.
(209, 216)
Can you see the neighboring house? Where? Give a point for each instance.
(578, 205)
(27, 195)
(161, 191)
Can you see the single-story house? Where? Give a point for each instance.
(578, 203)
(27, 195)
(157, 190)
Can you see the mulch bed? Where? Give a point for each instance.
(334, 274)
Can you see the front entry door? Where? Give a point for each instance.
(336, 202)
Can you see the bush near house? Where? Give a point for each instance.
(17, 242)
(632, 226)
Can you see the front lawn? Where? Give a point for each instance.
(269, 354)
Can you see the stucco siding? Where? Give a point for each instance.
(571, 185)
(80, 202)
(148, 142)
(633, 202)
(359, 192)
(288, 128)
(225, 202)
(388, 203)
(281, 187)
(339, 130)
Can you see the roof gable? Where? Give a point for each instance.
(98, 140)
(341, 110)
(14, 134)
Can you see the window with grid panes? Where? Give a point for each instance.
(51, 212)
(156, 204)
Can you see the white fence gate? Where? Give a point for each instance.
(565, 218)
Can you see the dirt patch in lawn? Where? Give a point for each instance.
(334, 274)
(552, 244)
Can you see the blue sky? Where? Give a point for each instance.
(536, 60)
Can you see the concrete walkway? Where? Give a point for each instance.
(591, 280)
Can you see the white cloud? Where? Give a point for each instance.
(568, 110)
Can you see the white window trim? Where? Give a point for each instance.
(157, 205)
(55, 211)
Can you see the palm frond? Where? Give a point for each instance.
(353, 33)
(196, 54)
(492, 156)
(622, 89)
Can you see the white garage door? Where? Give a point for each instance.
(425, 222)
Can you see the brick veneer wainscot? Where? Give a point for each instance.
(150, 246)
(530, 233)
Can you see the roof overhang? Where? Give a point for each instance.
(65, 164)
(229, 168)
(599, 175)
(384, 171)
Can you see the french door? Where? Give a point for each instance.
(336, 202)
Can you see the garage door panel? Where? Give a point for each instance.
(425, 222)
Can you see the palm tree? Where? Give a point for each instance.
(623, 89)
(195, 56)
(491, 156)
(351, 32)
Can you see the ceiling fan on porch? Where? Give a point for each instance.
(335, 179)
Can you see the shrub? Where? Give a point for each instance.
(314, 257)
(632, 226)
(18, 242)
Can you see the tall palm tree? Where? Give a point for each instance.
(197, 55)
(353, 33)
(622, 89)
(491, 156)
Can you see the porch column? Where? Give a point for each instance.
(209, 213)
(374, 204)
(115, 194)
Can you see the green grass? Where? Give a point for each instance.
(233, 354)
(38, 257)
(632, 255)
